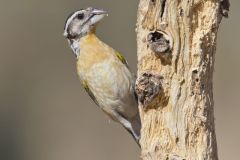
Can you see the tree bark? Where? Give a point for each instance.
(176, 51)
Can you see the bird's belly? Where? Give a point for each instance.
(110, 82)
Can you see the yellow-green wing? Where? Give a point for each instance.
(121, 58)
(90, 93)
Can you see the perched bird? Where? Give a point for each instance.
(103, 72)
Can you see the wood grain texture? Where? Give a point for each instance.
(179, 125)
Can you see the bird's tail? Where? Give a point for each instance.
(135, 127)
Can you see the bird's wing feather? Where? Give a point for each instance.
(90, 93)
(121, 58)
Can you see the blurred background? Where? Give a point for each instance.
(45, 114)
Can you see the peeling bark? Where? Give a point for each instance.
(177, 42)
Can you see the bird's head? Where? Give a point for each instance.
(81, 22)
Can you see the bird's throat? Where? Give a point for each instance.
(75, 43)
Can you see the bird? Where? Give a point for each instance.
(103, 72)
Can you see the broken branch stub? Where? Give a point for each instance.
(148, 88)
(225, 5)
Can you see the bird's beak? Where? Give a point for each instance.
(99, 12)
(97, 15)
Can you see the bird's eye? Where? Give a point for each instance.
(80, 16)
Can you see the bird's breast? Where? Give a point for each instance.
(92, 51)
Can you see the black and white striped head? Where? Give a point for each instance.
(81, 22)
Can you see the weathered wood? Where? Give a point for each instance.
(176, 51)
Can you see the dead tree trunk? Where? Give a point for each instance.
(176, 48)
